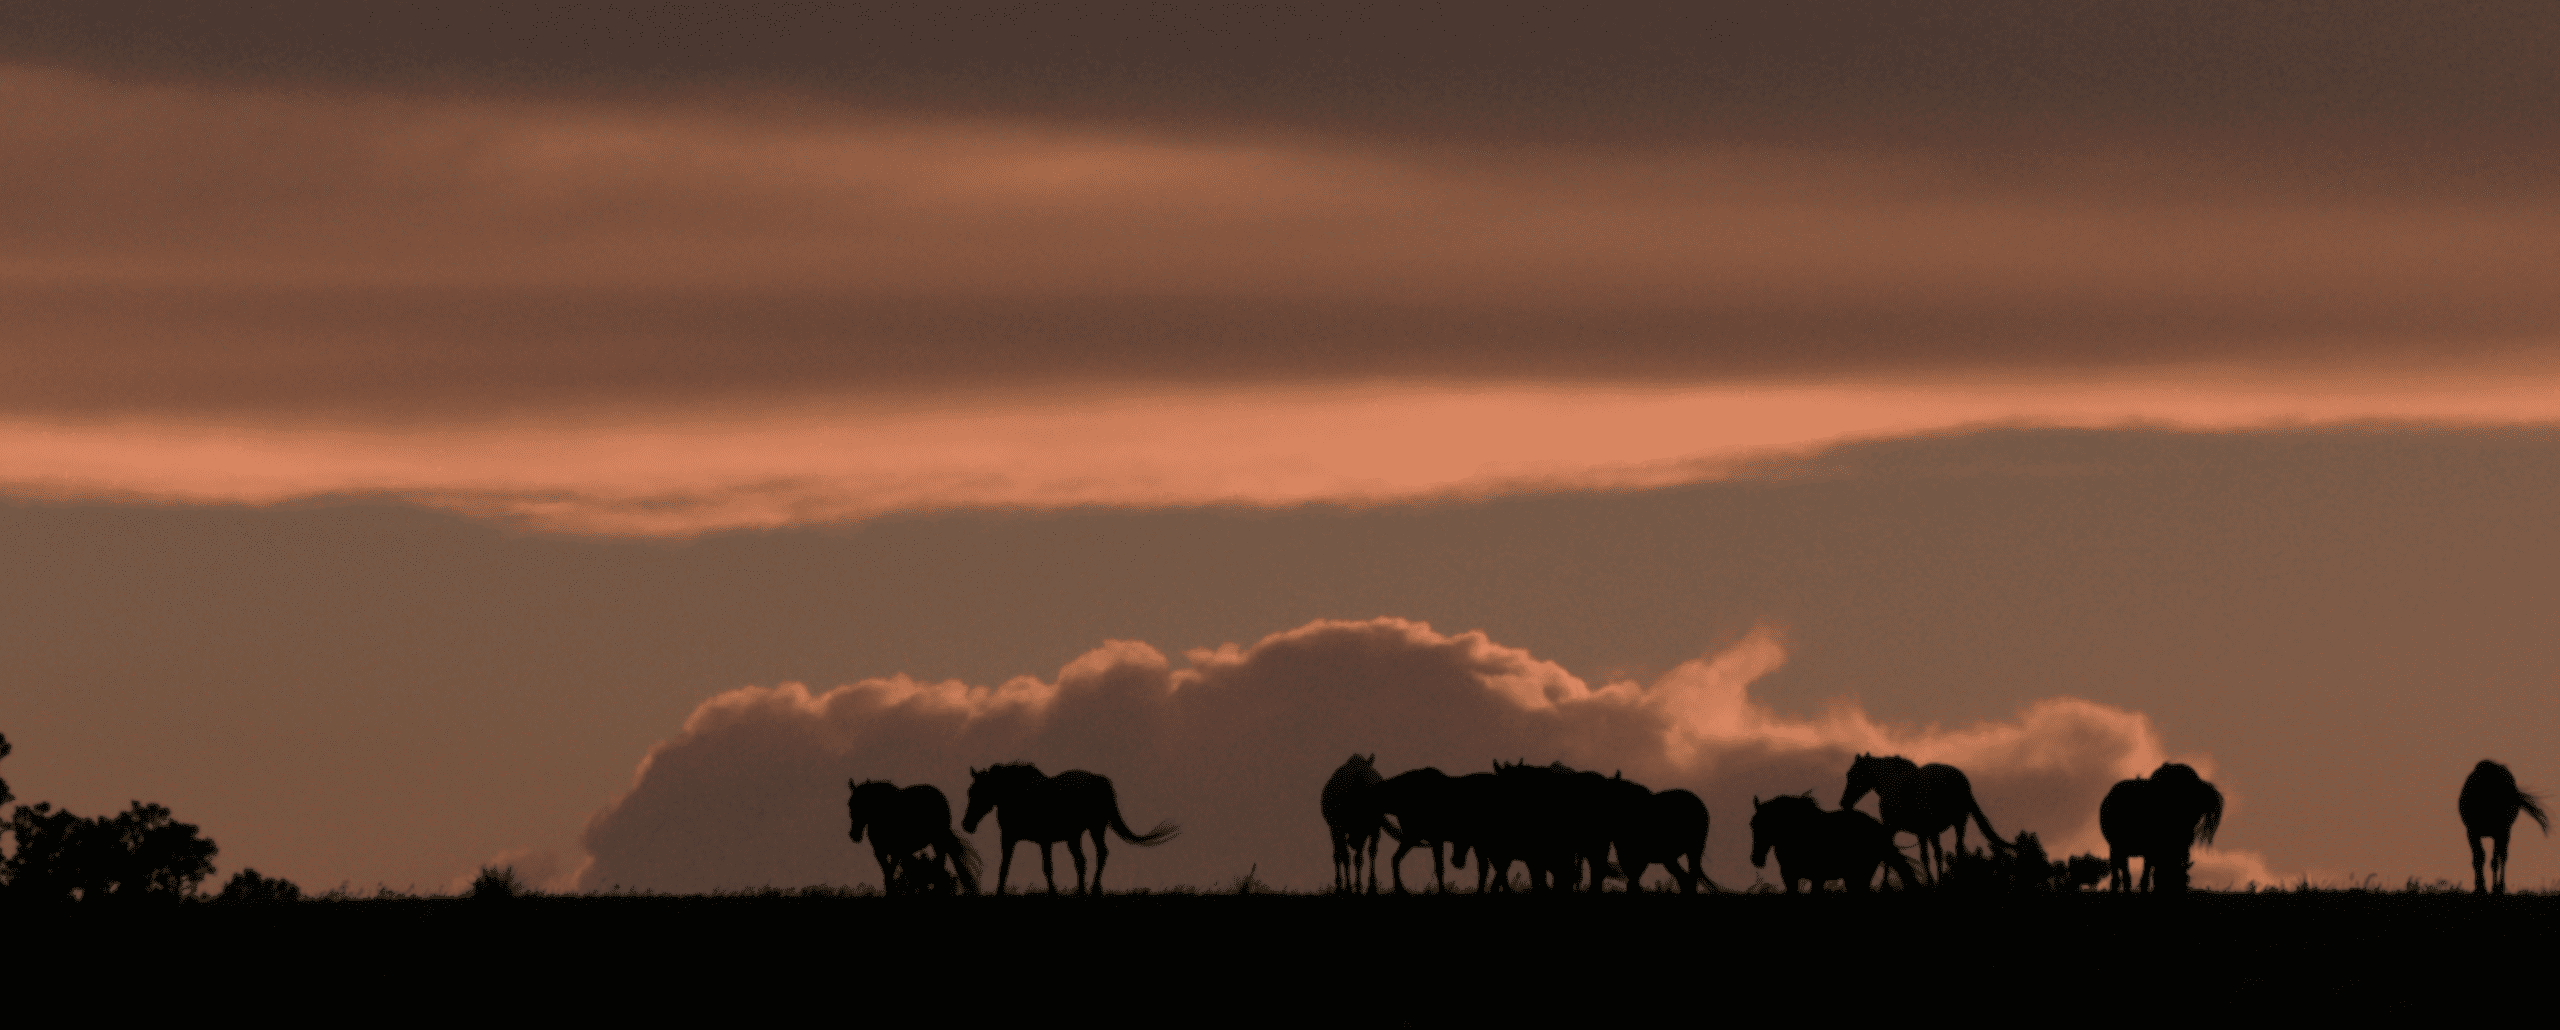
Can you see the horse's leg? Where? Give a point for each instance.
(1374, 836)
(1049, 866)
(1101, 854)
(2498, 867)
(2118, 868)
(1439, 871)
(889, 876)
(1075, 850)
(1004, 866)
(1341, 860)
(1395, 865)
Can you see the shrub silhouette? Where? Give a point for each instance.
(497, 884)
(249, 888)
(138, 853)
(5, 796)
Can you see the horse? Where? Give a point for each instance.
(1352, 819)
(1667, 826)
(2490, 801)
(904, 823)
(1845, 844)
(1425, 811)
(1921, 800)
(1043, 809)
(1479, 821)
(1541, 824)
(2160, 819)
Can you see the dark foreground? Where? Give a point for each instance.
(2037, 959)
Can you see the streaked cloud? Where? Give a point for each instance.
(680, 473)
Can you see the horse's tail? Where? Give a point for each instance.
(1989, 834)
(1163, 832)
(964, 859)
(2532, 806)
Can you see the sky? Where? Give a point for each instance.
(581, 436)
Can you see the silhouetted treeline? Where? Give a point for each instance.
(138, 853)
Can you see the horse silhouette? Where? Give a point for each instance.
(1811, 844)
(2490, 801)
(1045, 810)
(1425, 810)
(2159, 819)
(1352, 819)
(1542, 824)
(1479, 821)
(1921, 800)
(1666, 827)
(903, 823)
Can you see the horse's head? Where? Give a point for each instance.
(867, 800)
(982, 798)
(1779, 820)
(991, 786)
(1862, 778)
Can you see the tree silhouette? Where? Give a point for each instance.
(249, 888)
(140, 852)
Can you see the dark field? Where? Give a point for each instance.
(1248, 958)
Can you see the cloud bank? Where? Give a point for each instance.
(1236, 744)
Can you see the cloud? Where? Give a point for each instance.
(679, 472)
(1235, 744)
(368, 256)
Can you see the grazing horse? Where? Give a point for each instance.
(903, 823)
(1921, 800)
(1044, 810)
(1352, 819)
(1846, 844)
(2160, 819)
(1424, 804)
(1667, 827)
(2490, 801)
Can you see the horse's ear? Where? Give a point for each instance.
(1755, 800)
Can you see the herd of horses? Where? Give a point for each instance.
(1571, 829)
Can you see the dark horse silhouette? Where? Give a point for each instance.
(1666, 827)
(2490, 801)
(1846, 844)
(1046, 809)
(904, 823)
(1353, 818)
(2160, 819)
(1921, 800)
(1425, 807)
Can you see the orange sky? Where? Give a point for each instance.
(634, 275)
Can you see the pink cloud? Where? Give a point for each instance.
(1236, 743)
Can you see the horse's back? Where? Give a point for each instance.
(2488, 802)
(925, 807)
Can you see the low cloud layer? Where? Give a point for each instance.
(679, 473)
(1236, 743)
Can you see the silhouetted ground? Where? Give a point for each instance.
(1256, 958)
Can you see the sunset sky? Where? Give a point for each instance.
(581, 436)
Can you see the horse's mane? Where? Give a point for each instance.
(1892, 761)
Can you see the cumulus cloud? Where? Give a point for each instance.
(1236, 743)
